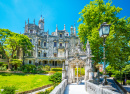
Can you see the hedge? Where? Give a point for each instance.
(56, 69)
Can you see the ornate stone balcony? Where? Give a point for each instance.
(61, 47)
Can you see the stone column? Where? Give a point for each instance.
(48, 62)
(63, 71)
(77, 73)
(73, 74)
(54, 64)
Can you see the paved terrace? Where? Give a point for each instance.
(76, 89)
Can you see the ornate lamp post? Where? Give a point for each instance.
(104, 32)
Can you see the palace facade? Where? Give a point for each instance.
(52, 49)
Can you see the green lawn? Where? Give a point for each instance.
(23, 82)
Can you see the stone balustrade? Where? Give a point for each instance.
(96, 89)
(60, 88)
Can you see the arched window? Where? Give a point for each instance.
(30, 62)
(39, 43)
(60, 35)
(39, 62)
(54, 44)
(44, 44)
(38, 54)
(45, 54)
(60, 44)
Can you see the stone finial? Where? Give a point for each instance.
(64, 27)
(71, 29)
(74, 30)
(43, 19)
(28, 20)
(34, 21)
(56, 27)
(25, 22)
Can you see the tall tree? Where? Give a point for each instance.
(10, 42)
(92, 16)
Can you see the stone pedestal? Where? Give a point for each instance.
(91, 75)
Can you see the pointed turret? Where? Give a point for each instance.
(28, 20)
(41, 24)
(25, 22)
(64, 27)
(74, 30)
(34, 21)
(56, 29)
(71, 29)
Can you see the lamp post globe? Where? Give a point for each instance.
(104, 30)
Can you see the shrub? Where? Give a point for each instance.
(47, 91)
(45, 72)
(29, 68)
(1, 63)
(82, 71)
(3, 68)
(47, 68)
(56, 77)
(8, 90)
(51, 72)
(128, 82)
(39, 69)
(56, 69)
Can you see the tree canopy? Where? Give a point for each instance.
(91, 17)
(11, 42)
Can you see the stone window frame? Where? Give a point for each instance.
(55, 45)
(30, 62)
(60, 44)
(39, 55)
(39, 42)
(61, 35)
(31, 31)
(31, 40)
(44, 54)
(44, 44)
(55, 55)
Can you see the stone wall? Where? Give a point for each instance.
(96, 89)
(60, 88)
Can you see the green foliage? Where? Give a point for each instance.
(56, 77)
(128, 82)
(11, 42)
(47, 91)
(82, 71)
(3, 68)
(117, 49)
(56, 69)
(1, 63)
(8, 90)
(29, 68)
(47, 68)
(51, 72)
(126, 71)
(23, 82)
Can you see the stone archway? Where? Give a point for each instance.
(75, 63)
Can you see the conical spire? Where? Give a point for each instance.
(64, 27)
(28, 20)
(34, 21)
(74, 30)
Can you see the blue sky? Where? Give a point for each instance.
(13, 13)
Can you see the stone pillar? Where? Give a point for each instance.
(66, 69)
(48, 62)
(69, 75)
(73, 74)
(77, 74)
(63, 71)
